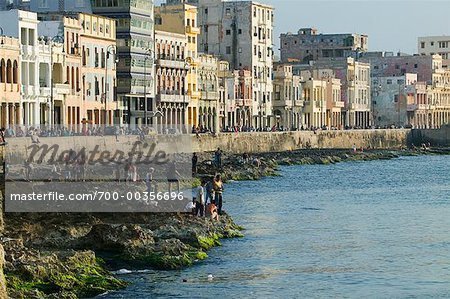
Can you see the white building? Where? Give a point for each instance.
(241, 32)
(430, 45)
(23, 25)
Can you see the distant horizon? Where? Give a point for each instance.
(402, 20)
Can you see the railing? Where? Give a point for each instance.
(172, 98)
(172, 63)
(339, 104)
(209, 95)
(192, 30)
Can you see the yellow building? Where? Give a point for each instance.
(182, 19)
(10, 109)
(98, 71)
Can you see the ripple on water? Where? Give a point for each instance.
(349, 230)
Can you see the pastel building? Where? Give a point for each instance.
(136, 56)
(10, 103)
(181, 18)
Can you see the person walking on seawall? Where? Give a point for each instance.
(218, 190)
(149, 180)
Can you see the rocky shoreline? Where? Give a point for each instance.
(71, 255)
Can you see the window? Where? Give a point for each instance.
(206, 11)
(228, 11)
(397, 67)
(228, 50)
(389, 81)
(422, 45)
(432, 43)
(43, 3)
(107, 29)
(228, 32)
(239, 31)
(416, 65)
(206, 28)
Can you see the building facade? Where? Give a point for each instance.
(287, 98)
(181, 18)
(172, 99)
(355, 82)
(10, 107)
(209, 92)
(391, 98)
(308, 45)
(244, 101)
(97, 81)
(431, 45)
(241, 32)
(23, 25)
(135, 51)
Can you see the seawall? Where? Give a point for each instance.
(231, 142)
(439, 137)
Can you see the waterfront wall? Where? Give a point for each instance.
(287, 141)
(232, 143)
(440, 137)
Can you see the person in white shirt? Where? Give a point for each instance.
(200, 200)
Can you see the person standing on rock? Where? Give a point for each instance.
(194, 163)
(200, 200)
(218, 158)
(218, 190)
(209, 192)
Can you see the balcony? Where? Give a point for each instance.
(44, 91)
(239, 102)
(62, 89)
(248, 102)
(28, 50)
(171, 63)
(299, 103)
(171, 98)
(339, 104)
(209, 95)
(29, 90)
(194, 94)
(192, 30)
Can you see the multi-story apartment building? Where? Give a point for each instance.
(355, 82)
(386, 64)
(135, 51)
(209, 92)
(391, 98)
(48, 7)
(241, 32)
(308, 45)
(97, 43)
(181, 18)
(227, 95)
(314, 95)
(171, 82)
(23, 25)
(430, 45)
(10, 104)
(287, 97)
(52, 91)
(432, 111)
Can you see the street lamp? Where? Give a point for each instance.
(60, 39)
(108, 52)
(147, 57)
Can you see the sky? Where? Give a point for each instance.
(392, 25)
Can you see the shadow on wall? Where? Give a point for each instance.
(436, 137)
